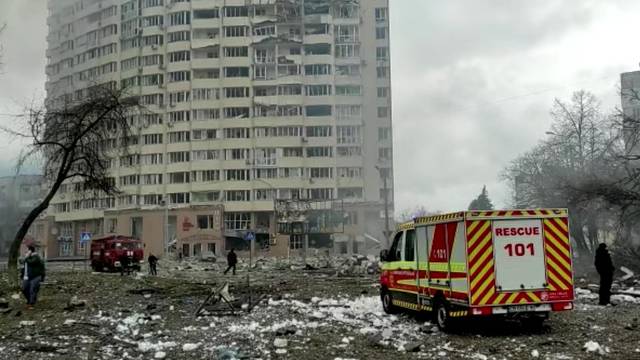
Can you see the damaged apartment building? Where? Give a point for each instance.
(248, 102)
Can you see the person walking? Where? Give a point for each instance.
(32, 275)
(153, 263)
(232, 260)
(605, 268)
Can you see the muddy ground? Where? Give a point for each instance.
(313, 314)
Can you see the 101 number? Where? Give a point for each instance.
(520, 249)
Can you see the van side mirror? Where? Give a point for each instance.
(384, 254)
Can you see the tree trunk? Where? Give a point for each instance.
(577, 233)
(14, 250)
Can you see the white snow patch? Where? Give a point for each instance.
(625, 298)
(190, 346)
(27, 323)
(535, 353)
(280, 343)
(160, 355)
(592, 346)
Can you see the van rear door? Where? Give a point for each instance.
(519, 255)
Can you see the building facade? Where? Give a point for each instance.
(246, 102)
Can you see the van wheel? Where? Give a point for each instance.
(387, 302)
(442, 316)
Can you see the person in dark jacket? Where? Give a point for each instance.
(232, 260)
(153, 263)
(605, 268)
(32, 274)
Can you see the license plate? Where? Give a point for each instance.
(528, 308)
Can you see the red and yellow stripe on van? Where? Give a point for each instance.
(481, 261)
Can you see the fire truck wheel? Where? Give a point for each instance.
(387, 303)
(442, 315)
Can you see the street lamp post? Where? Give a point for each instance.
(387, 232)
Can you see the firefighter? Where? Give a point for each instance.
(124, 264)
(232, 260)
(605, 268)
(32, 274)
(153, 263)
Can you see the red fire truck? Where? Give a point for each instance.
(481, 263)
(116, 253)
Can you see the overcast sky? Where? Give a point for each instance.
(473, 81)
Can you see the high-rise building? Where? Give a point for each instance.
(630, 98)
(247, 101)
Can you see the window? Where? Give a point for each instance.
(320, 173)
(383, 92)
(211, 248)
(384, 134)
(178, 157)
(350, 172)
(236, 112)
(179, 56)
(233, 72)
(237, 221)
(382, 53)
(320, 151)
(152, 20)
(151, 139)
(235, 31)
(237, 133)
(383, 111)
(349, 135)
(264, 30)
(206, 74)
(350, 193)
(204, 94)
(292, 152)
(409, 245)
(206, 222)
(348, 112)
(395, 252)
(236, 92)
(317, 69)
(206, 14)
(151, 159)
(347, 51)
(206, 114)
(152, 40)
(179, 136)
(382, 72)
(197, 250)
(178, 76)
(317, 49)
(381, 14)
(205, 155)
(179, 198)
(236, 51)
(236, 154)
(348, 90)
(349, 151)
(237, 195)
(318, 90)
(178, 97)
(180, 18)
(318, 131)
(381, 33)
(179, 36)
(205, 176)
(318, 110)
(179, 177)
(179, 116)
(384, 153)
(236, 11)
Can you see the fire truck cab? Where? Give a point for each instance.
(480, 263)
(113, 252)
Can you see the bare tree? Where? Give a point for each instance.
(76, 141)
(558, 171)
(410, 214)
